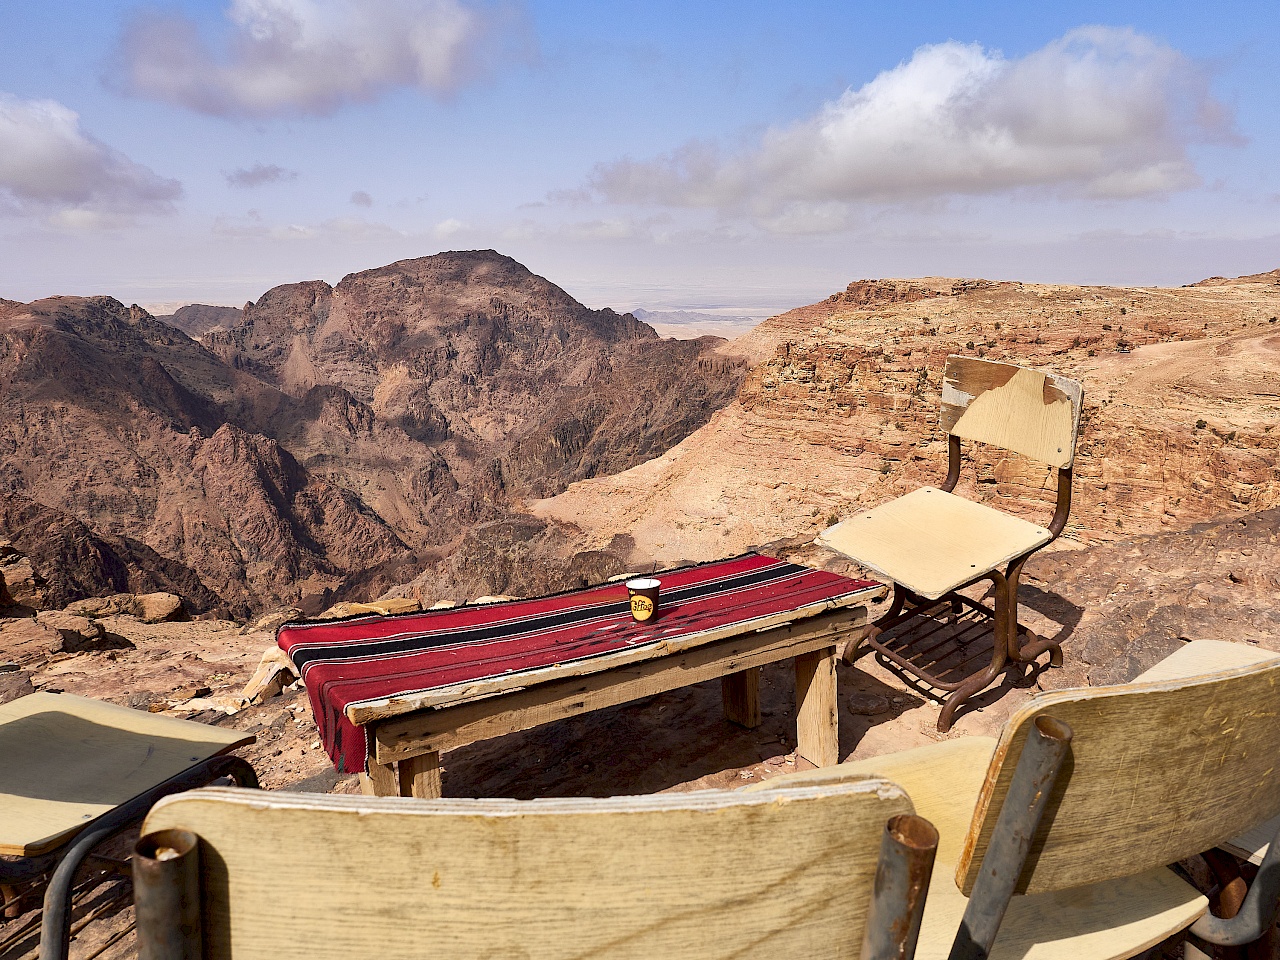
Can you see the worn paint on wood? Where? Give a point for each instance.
(708, 874)
(1157, 772)
(1031, 412)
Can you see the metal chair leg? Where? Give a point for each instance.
(907, 852)
(55, 923)
(1037, 772)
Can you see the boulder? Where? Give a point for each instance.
(15, 684)
(22, 585)
(162, 608)
(26, 640)
(116, 605)
(275, 671)
(75, 633)
(383, 607)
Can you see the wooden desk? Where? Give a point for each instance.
(392, 693)
(413, 741)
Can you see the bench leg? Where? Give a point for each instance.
(741, 695)
(420, 777)
(817, 733)
(380, 781)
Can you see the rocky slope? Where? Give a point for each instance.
(1182, 401)
(343, 433)
(197, 319)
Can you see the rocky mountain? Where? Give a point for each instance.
(197, 319)
(348, 434)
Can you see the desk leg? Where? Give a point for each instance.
(741, 695)
(817, 734)
(420, 777)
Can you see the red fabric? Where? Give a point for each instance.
(373, 657)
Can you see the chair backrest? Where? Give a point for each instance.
(703, 874)
(1156, 772)
(1031, 412)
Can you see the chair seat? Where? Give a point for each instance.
(68, 760)
(1101, 921)
(932, 542)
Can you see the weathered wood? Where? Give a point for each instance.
(368, 711)
(740, 693)
(380, 781)
(931, 541)
(708, 874)
(420, 776)
(1113, 919)
(449, 727)
(1032, 412)
(1200, 657)
(66, 760)
(1204, 657)
(817, 733)
(1159, 771)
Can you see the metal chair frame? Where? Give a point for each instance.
(1007, 647)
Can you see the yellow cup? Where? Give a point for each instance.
(644, 598)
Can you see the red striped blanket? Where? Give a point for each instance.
(370, 657)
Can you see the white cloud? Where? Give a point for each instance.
(260, 174)
(253, 226)
(289, 57)
(51, 168)
(1100, 112)
(448, 228)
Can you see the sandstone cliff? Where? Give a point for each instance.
(1182, 393)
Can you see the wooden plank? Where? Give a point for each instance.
(67, 760)
(1158, 772)
(380, 781)
(740, 693)
(942, 779)
(710, 874)
(1032, 412)
(449, 727)
(931, 541)
(367, 711)
(1203, 657)
(817, 718)
(420, 776)
(1104, 921)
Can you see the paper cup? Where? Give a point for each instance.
(644, 598)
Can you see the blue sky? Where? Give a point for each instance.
(741, 156)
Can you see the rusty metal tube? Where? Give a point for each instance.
(166, 895)
(1037, 772)
(1256, 915)
(907, 850)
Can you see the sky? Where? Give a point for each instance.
(740, 157)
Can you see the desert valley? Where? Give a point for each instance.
(455, 428)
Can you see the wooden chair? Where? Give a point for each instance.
(75, 771)
(1155, 772)
(932, 543)
(684, 875)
